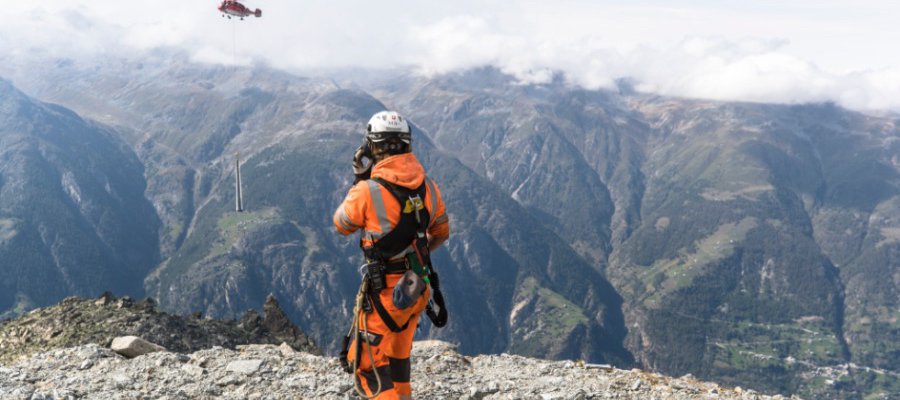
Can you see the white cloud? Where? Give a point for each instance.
(761, 51)
(63, 33)
(737, 71)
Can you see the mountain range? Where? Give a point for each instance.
(744, 243)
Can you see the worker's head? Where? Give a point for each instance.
(388, 134)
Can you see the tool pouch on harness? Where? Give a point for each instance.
(375, 275)
(408, 290)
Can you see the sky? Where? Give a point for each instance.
(763, 51)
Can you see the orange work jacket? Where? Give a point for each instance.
(372, 208)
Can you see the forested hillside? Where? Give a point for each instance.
(73, 216)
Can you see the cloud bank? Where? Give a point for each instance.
(593, 45)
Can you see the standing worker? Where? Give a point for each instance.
(403, 220)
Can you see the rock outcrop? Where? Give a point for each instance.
(269, 372)
(78, 321)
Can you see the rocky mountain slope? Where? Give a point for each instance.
(223, 262)
(69, 191)
(749, 244)
(738, 233)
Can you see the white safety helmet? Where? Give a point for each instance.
(386, 125)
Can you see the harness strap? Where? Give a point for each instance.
(413, 221)
(386, 317)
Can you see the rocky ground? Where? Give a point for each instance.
(77, 321)
(269, 372)
(74, 350)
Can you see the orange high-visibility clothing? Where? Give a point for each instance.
(373, 209)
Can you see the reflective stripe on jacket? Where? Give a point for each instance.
(372, 208)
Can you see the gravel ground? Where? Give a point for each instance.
(269, 372)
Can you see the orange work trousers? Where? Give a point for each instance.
(390, 350)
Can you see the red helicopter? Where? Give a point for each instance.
(234, 8)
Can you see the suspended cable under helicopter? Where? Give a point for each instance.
(231, 8)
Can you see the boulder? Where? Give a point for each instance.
(133, 346)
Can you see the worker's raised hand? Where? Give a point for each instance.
(360, 170)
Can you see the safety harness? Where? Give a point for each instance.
(414, 219)
(410, 231)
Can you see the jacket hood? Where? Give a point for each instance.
(402, 169)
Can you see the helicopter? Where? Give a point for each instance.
(231, 8)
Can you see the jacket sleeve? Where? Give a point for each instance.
(350, 215)
(440, 222)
